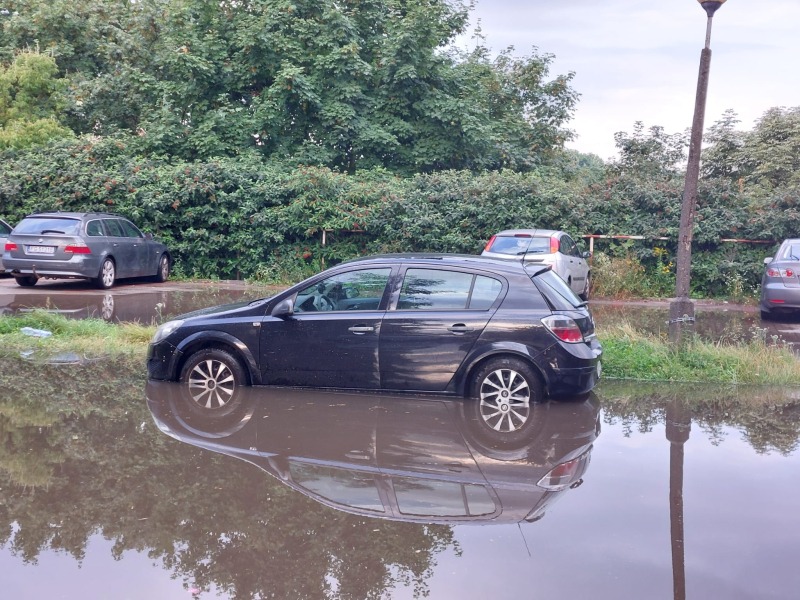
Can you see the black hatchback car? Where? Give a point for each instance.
(464, 325)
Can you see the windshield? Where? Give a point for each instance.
(45, 225)
(556, 290)
(519, 245)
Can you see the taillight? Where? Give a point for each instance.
(773, 272)
(563, 328)
(489, 243)
(77, 249)
(10, 246)
(554, 245)
(563, 475)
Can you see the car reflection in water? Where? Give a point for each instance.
(408, 458)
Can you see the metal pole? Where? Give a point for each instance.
(681, 310)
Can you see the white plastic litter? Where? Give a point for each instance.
(42, 333)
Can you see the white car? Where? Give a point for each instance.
(547, 247)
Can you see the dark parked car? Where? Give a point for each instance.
(545, 247)
(465, 325)
(99, 247)
(407, 458)
(780, 284)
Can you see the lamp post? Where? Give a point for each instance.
(681, 309)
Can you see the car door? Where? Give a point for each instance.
(575, 266)
(437, 317)
(121, 248)
(331, 340)
(141, 262)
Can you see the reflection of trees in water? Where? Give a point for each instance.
(211, 520)
(417, 291)
(769, 418)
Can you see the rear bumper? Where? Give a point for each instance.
(776, 296)
(78, 267)
(572, 369)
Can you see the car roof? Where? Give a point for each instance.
(436, 258)
(531, 232)
(74, 215)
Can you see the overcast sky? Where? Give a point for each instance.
(638, 60)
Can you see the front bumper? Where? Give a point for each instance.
(162, 361)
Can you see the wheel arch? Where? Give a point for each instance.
(517, 351)
(221, 341)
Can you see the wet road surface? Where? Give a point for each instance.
(127, 301)
(111, 487)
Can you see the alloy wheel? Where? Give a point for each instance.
(211, 384)
(505, 398)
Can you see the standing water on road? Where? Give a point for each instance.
(114, 487)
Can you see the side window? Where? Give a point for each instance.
(426, 497)
(353, 290)
(484, 292)
(94, 229)
(129, 229)
(4, 229)
(113, 228)
(431, 289)
(342, 486)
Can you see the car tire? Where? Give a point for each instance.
(505, 392)
(27, 280)
(163, 269)
(107, 275)
(585, 294)
(212, 376)
(766, 316)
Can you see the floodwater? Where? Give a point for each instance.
(114, 488)
(137, 302)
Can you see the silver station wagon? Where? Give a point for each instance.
(100, 247)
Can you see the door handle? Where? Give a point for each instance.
(357, 455)
(361, 329)
(459, 328)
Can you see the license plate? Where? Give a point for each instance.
(41, 250)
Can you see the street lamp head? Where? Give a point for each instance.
(711, 6)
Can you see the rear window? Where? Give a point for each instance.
(556, 290)
(4, 229)
(49, 226)
(517, 246)
(792, 252)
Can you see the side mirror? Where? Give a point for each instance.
(587, 255)
(768, 260)
(283, 309)
(148, 236)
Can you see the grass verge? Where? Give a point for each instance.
(632, 354)
(90, 338)
(628, 353)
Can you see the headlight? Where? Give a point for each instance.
(165, 330)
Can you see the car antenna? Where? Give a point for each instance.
(522, 533)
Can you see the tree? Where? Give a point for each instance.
(29, 101)
(350, 84)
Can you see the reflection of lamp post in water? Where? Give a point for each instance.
(679, 424)
(681, 309)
